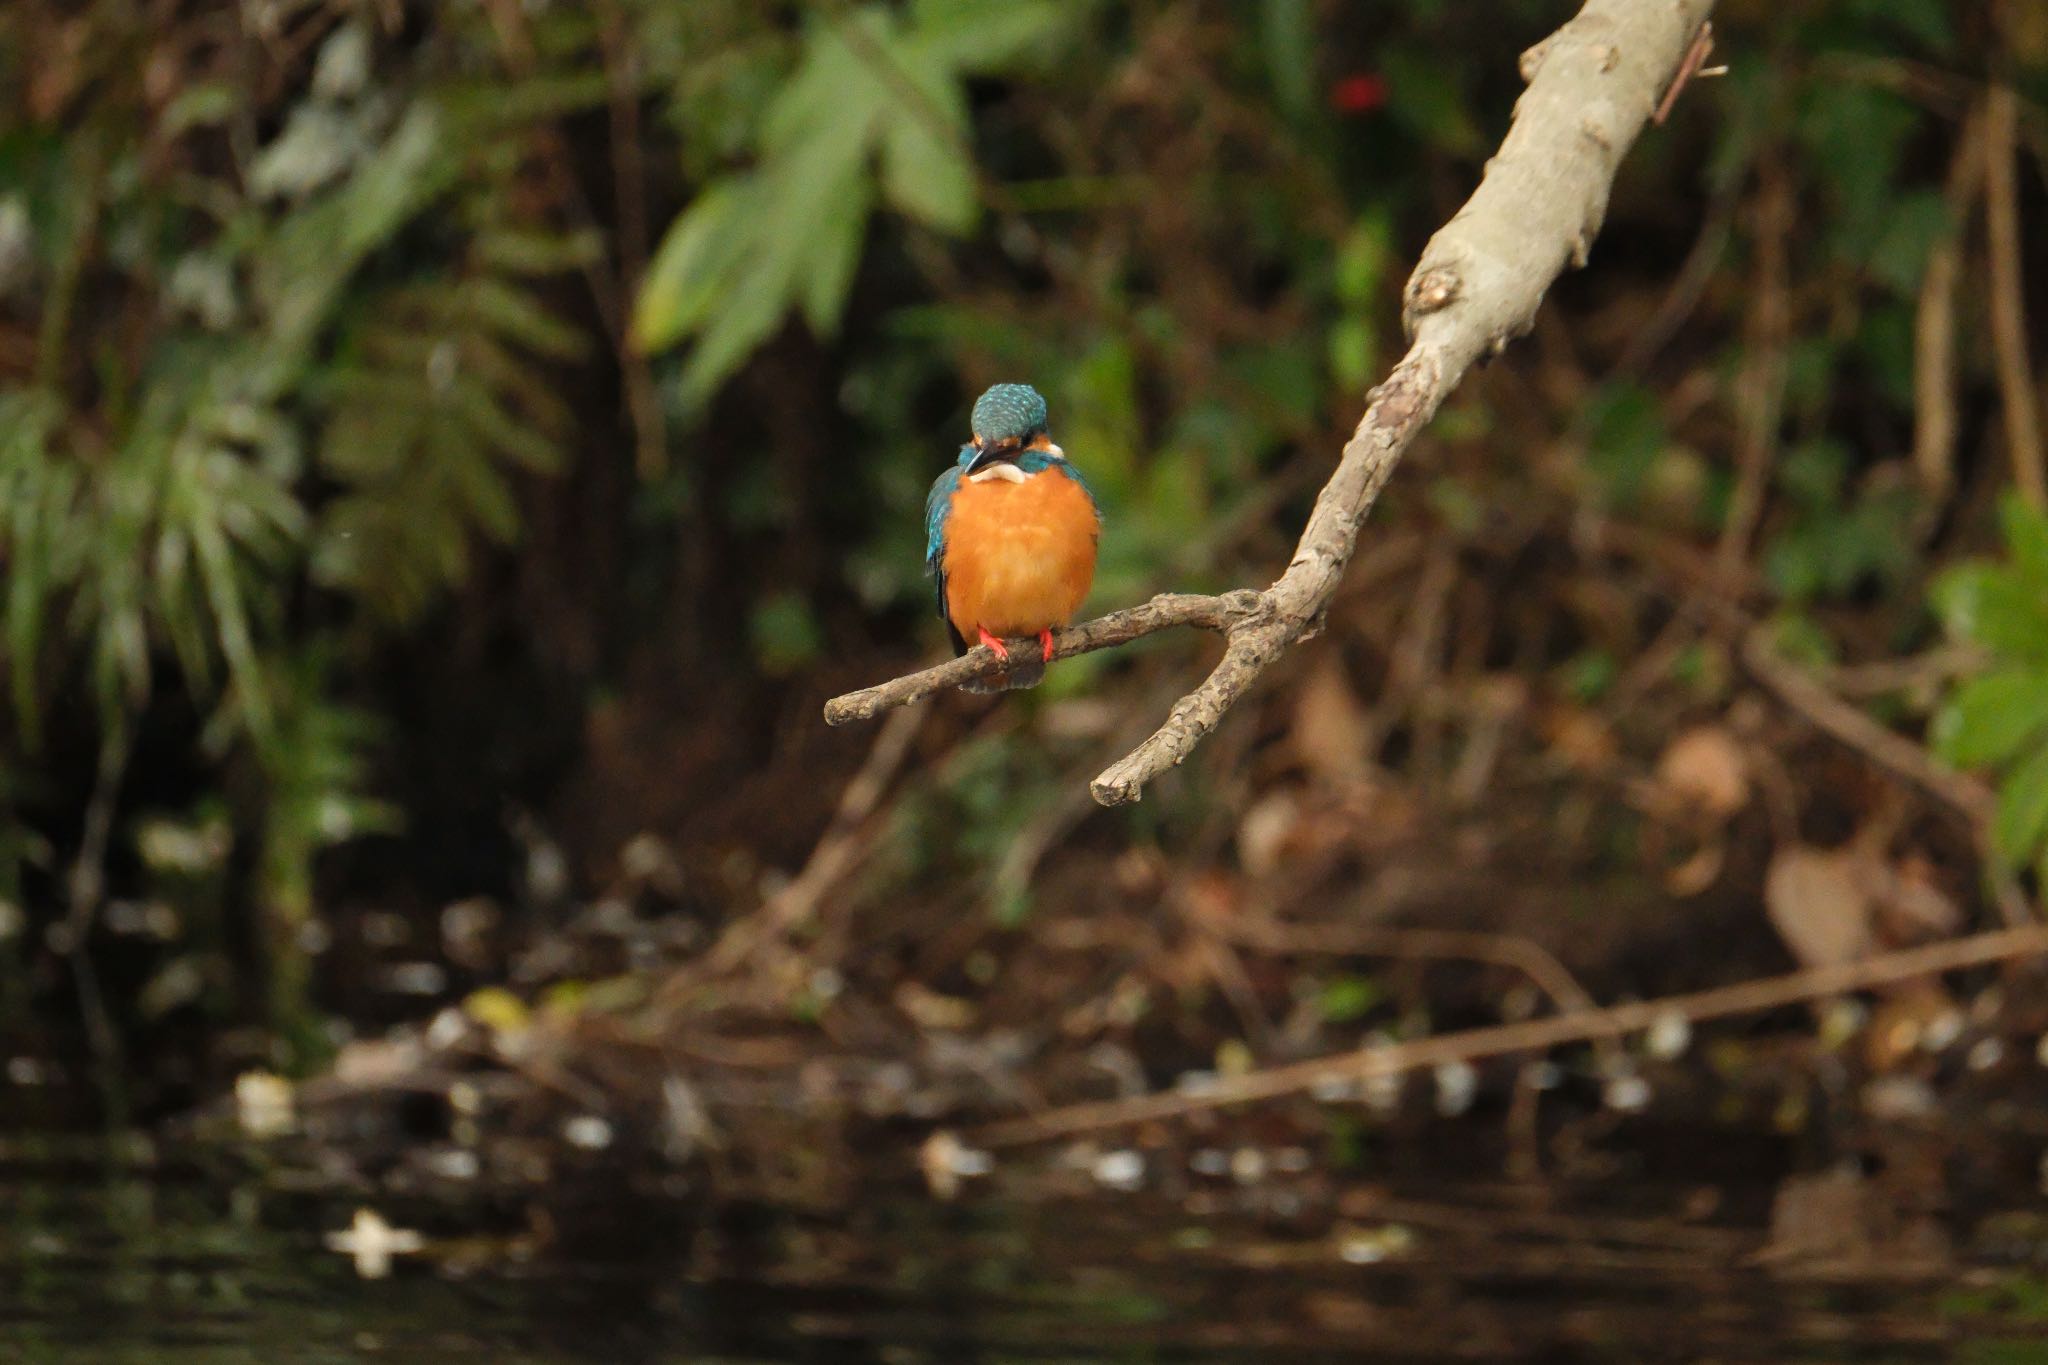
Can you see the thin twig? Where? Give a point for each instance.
(2008, 302)
(86, 891)
(1762, 392)
(1856, 728)
(1748, 997)
(1520, 954)
(845, 845)
(1694, 64)
(629, 194)
(1934, 324)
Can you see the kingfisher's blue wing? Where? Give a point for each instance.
(937, 505)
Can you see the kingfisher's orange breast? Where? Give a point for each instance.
(1019, 556)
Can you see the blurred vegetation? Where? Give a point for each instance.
(419, 420)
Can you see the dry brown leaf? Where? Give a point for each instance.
(1211, 898)
(930, 1010)
(1902, 1024)
(1330, 727)
(1698, 872)
(1703, 771)
(1581, 738)
(1264, 831)
(1913, 903)
(1820, 905)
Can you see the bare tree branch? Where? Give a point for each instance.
(1592, 86)
(1529, 1035)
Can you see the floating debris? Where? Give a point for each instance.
(416, 978)
(1457, 1085)
(1370, 1246)
(372, 1242)
(1941, 1031)
(1985, 1054)
(1382, 1093)
(1840, 1020)
(263, 1104)
(1626, 1094)
(454, 1163)
(686, 1126)
(947, 1161)
(1122, 1169)
(1899, 1097)
(1669, 1037)
(591, 1132)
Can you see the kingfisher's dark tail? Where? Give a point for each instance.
(1023, 673)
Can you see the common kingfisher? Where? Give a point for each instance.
(1010, 533)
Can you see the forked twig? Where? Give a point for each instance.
(1592, 85)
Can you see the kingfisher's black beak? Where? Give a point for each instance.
(987, 453)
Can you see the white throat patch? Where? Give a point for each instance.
(1004, 470)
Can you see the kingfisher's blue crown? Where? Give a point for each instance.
(1009, 412)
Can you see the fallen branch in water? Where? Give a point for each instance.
(1534, 1035)
(1591, 87)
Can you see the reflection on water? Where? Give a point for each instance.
(177, 1263)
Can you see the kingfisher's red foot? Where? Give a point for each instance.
(1002, 650)
(1045, 643)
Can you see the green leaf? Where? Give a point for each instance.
(983, 37)
(2021, 825)
(926, 171)
(1993, 717)
(1925, 21)
(1287, 31)
(1856, 135)
(1362, 257)
(1997, 608)
(1915, 223)
(1423, 93)
(312, 254)
(754, 315)
(522, 251)
(839, 229)
(1627, 436)
(2026, 536)
(1349, 998)
(835, 87)
(517, 315)
(691, 267)
(785, 633)
(1353, 354)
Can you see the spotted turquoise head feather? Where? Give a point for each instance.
(1008, 412)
